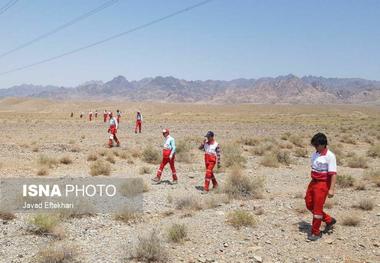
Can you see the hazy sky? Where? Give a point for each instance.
(224, 39)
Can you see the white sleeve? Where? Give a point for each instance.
(332, 164)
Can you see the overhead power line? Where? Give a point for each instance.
(61, 27)
(152, 22)
(8, 5)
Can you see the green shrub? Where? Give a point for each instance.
(345, 181)
(151, 155)
(177, 233)
(150, 249)
(239, 185)
(100, 167)
(357, 162)
(233, 155)
(240, 218)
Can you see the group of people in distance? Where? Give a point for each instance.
(323, 168)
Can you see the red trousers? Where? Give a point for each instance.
(315, 198)
(138, 126)
(165, 161)
(113, 137)
(90, 117)
(105, 117)
(118, 119)
(210, 162)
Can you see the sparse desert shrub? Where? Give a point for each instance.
(345, 181)
(233, 155)
(65, 160)
(177, 233)
(270, 160)
(350, 220)
(42, 171)
(240, 218)
(145, 187)
(258, 150)
(56, 253)
(188, 202)
(124, 155)
(287, 146)
(128, 215)
(110, 159)
(183, 146)
(136, 153)
(301, 152)
(369, 140)
(285, 136)
(134, 187)
(116, 153)
(75, 149)
(360, 186)
(150, 249)
(47, 161)
(250, 141)
(92, 157)
(145, 170)
(35, 149)
(151, 155)
(374, 151)
(297, 141)
(338, 151)
(357, 162)
(45, 224)
(103, 152)
(283, 157)
(258, 211)
(7, 216)
(267, 146)
(374, 176)
(82, 208)
(239, 185)
(100, 167)
(366, 204)
(349, 139)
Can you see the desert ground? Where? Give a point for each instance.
(256, 215)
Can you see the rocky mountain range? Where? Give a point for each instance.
(283, 89)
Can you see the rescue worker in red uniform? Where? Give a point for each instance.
(322, 185)
(168, 156)
(118, 115)
(112, 130)
(212, 158)
(139, 119)
(105, 115)
(90, 116)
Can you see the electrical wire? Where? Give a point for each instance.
(61, 27)
(7, 6)
(152, 22)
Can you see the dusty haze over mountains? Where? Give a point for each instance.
(283, 89)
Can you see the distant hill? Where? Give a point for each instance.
(283, 89)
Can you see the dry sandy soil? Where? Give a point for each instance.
(31, 128)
